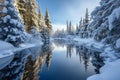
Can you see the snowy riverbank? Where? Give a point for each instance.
(110, 71)
(8, 49)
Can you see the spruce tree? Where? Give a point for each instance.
(106, 21)
(31, 15)
(41, 21)
(20, 5)
(80, 23)
(11, 27)
(67, 27)
(47, 21)
(70, 24)
(100, 24)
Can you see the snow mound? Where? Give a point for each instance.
(6, 49)
(118, 43)
(110, 71)
(5, 61)
(5, 45)
(90, 42)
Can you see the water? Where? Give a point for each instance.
(56, 61)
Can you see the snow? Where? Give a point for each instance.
(4, 61)
(118, 43)
(19, 25)
(25, 46)
(6, 18)
(4, 10)
(13, 21)
(109, 71)
(115, 15)
(89, 42)
(6, 2)
(6, 49)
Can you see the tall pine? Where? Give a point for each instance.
(31, 15)
(47, 21)
(41, 21)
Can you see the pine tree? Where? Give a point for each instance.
(67, 27)
(31, 15)
(41, 22)
(85, 20)
(11, 29)
(80, 23)
(20, 5)
(87, 17)
(106, 21)
(77, 29)
(47, 21)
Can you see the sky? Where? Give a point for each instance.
(62, 10)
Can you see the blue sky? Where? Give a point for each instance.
(62, 10)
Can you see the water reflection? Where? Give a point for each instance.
(86, 56)
(33, 67)
(5, 61)
(74, 62)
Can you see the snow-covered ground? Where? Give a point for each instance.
(110, 71)
(90, 43)
(8, 49)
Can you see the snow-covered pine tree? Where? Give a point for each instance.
(48, 22)
(114, 27)
(70, 28)
(77, 29)
(41, 21)
(31, 15)
(67, 27)
(44, 34)
(80, 23)
(11, 27)
(85, 24)
(20, 5)
(106, 21)
(86, 19)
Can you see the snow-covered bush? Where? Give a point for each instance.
(11, 27)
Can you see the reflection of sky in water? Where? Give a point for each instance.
(59, 48)
(66, 66)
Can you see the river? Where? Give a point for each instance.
(58, 60)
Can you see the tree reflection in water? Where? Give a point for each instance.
(85, 55)
(28, 64)
(33, 67)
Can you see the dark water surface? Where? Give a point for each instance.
(56, 61)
